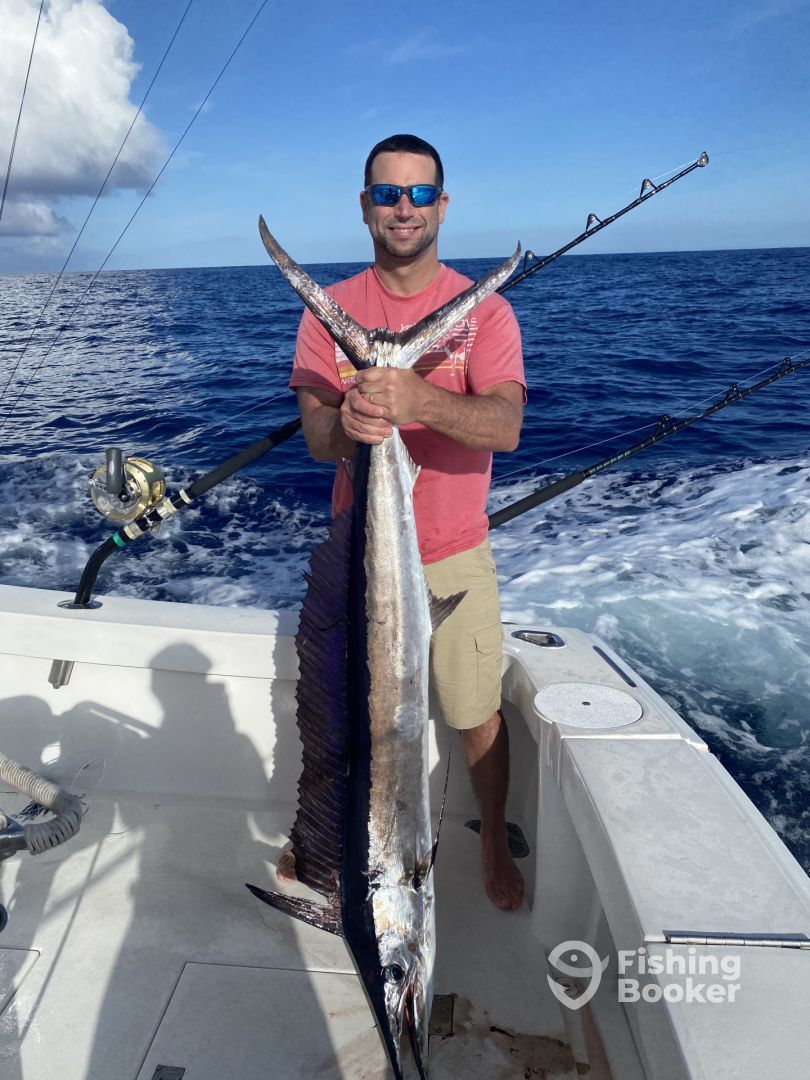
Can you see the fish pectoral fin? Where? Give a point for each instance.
(422, 336)
(354, 339)
(441, 607)
(324, 916)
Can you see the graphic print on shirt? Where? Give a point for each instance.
(451, 354)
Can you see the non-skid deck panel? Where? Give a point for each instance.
(149, 888)
(255, 1023)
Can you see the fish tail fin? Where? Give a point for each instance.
(442, 607)
(420, 338)
(354, 339)
(325, 917)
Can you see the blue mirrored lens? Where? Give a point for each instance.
(423, 194)
(390, 194)
(385, 194)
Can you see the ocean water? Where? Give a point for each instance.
(692, 559)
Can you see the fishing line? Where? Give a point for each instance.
(19, 114)
(137, 209)
(219, 425)
(661, 176)
(92, 208)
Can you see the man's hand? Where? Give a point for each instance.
(400, 392)
(332, 427)
(364, 419)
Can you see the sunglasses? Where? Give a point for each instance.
(390, 194)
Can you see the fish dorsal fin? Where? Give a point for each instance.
(354, 339)
(442, 607)
(321, 643)
(422, 336)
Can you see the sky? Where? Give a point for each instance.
(543, 112)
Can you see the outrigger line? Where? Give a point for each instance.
(665, 427)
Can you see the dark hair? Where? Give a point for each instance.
(404, 144)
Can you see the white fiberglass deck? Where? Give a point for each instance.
(139, 946)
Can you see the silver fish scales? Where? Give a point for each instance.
(362, 833)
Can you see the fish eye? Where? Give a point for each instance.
(394, 973)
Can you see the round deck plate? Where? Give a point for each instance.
(587, 705)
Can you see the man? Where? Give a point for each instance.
(459, 403)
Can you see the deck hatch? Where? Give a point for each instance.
(168, 1072)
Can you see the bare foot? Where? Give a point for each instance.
(285, 868)
(503, 882)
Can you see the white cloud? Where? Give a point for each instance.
(77, 110)
(27, 217)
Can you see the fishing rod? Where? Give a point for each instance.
(532, 263)
(665, 427)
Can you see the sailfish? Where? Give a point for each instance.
(362, 834)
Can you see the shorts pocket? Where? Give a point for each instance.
(489, 663)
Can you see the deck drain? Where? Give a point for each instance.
(517, 841)
(168, 1072)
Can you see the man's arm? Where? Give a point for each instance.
(490, 420)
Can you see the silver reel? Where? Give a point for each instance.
(123, 489)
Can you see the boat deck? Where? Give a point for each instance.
(137, 946)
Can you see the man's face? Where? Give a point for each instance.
(403, 231)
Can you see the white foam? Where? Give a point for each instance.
(703, 585)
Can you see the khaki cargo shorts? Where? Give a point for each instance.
(466, 652)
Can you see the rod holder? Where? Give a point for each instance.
(60, 673)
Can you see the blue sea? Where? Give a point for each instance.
(692, 559)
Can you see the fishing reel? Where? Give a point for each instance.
(123, 489)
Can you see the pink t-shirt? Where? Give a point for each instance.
(480, 351)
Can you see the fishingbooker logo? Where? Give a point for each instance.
(687, 975)
(585, 963)
(688, 972)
